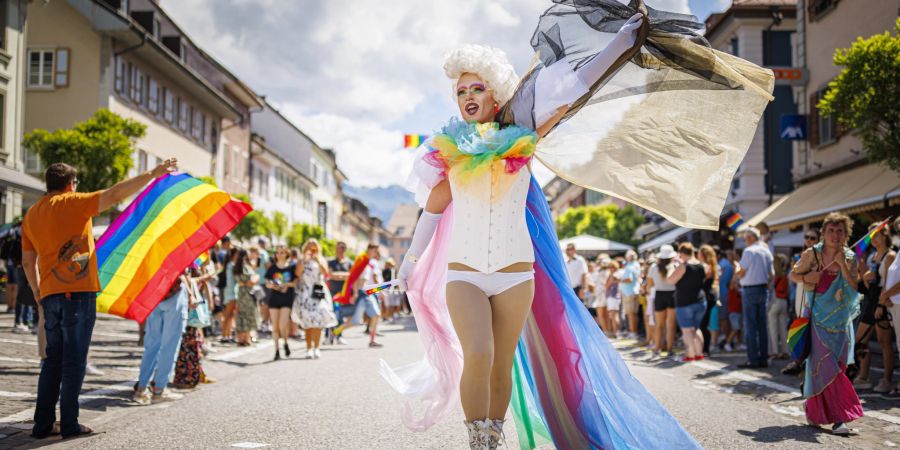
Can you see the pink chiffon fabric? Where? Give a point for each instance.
(431, 386)
(838, 402)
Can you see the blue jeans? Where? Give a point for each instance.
(162, 339)
(68, 323)
(25, 314)
(756, 336)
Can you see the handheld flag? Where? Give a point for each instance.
(863, 244)
(355, 271)
(413, 140)
(378, 287)
(161, 232)
(735, 221)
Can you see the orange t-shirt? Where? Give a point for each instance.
(60, 230)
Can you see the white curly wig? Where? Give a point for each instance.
(489, 63)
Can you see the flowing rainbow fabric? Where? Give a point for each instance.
(797, 338)
(571, 387)
(863, 244)
(161, 232)
(355, 271)
(413, 140)
(734, 221)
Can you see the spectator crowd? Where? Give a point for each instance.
(688, 303)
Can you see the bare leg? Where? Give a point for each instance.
(670, 328)
(309, 339)
(317, 336)
(274, 313)
(509, 309)
(660, 327)
(284, 324)
(865, 361)
(884, 340)
(373, 327)
(602, 319)
(470, 312)
(689, 335)
(228, 323)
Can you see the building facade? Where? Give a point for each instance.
(18, 190)
(112, 61)
(831, 171)
(277, 185)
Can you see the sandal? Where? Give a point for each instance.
(83, 431)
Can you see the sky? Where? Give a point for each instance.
(356, 75)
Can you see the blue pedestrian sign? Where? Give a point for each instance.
(793, 127)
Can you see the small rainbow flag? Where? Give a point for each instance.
(201, 260)
(355, 271)
(863, 244)
(413, 140)
(374, 288)
(161, 232)
(798, 335)
(734, 221)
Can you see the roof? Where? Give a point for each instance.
(403, 220)
(750, 8)
(668, 237)
(589, 243)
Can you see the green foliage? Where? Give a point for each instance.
(244, 198)
(279, 225)
(101, 148)
(254, 224)
(301, 232)
(209, 180)
(866, 94)
(605, 221)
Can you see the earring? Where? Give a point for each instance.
(496, 108)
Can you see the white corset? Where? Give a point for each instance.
(489, 231)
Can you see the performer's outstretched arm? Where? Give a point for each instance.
(553, 86)
(437, 202)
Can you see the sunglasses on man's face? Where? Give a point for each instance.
(811, 238)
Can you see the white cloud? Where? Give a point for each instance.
(358, 75)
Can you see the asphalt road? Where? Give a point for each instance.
(340, 402)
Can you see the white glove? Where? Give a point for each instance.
(428, 222)
(592, 70)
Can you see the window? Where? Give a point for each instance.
(169, 106)
(156, 27)
(213, 137)
(153, 96)
(62, 67)
(40, 68)
(3, 21)
(137, 85)
(142, 161)
(823, 130)
(734, 46)
(2, 115)
(205, 126)
(183, 115)
(197, 125)
(819, 8)
(183, 50)
(120, 75)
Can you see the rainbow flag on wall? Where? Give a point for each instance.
(863, 244)
(161, 232)
(734, 221)
(355, 271)
(413, 140)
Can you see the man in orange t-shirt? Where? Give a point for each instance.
(61, 266)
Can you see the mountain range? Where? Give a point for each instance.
(380, 200)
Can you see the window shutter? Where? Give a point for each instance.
(812, 126)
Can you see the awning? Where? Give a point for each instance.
(20, 180)
(588, 243)
(762, 215)
(854, 191)
(785, 239)
(668, 237)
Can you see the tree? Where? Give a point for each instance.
(301, 232)
(252, 225)
(100, 148)
(866, 94)
(605, 221)
(279, 225)
(209, 180)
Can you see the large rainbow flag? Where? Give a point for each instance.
(355, 271)
(162, 231)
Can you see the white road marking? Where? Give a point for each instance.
(9, 394)
(241, 352)
(95, 348)
(19, 360)
(249, 445)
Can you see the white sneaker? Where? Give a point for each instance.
(21, 328)
(310, 354)
(90, 369)
(728, 347)
(862, 383)
(882, 387)
(316, 353)
(341, 341)
(142, 398)
(166, 396)
(840, 429)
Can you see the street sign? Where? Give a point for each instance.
(793, 127)
(793, 76)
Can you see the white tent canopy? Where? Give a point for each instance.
(667, 237)
(588, 243)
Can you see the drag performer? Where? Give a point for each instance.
(624, 100)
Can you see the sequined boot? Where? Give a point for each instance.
(495, 433)
(478, 434)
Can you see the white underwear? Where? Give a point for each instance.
(490, 283)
